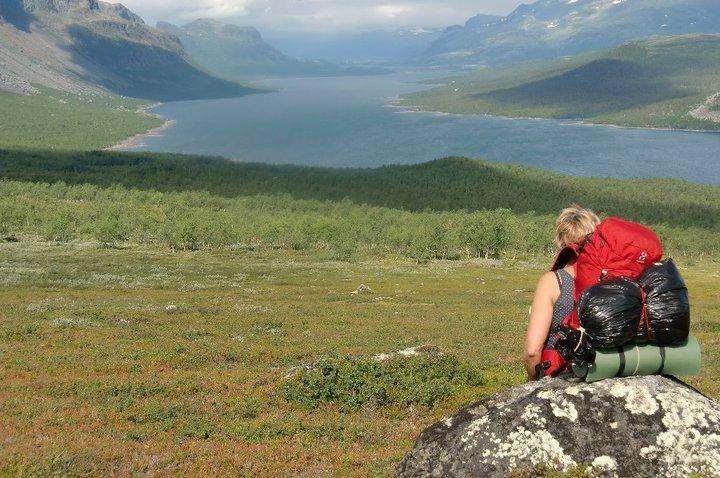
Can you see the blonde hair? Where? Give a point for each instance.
(573, 224)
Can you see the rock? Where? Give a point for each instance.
(362, 288)
(171, 308)
(624, 427)
(416, 351)
(708, 111)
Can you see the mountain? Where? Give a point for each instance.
(240, 52)
(664, 82)
(397, 45)
(89, 46)
(552, 28)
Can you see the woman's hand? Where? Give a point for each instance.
(541, 312)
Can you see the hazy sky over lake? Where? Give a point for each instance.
(322, 15)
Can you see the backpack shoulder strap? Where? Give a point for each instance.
(565, 255)
(562, 258)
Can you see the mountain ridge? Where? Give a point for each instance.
(552, 28)
(91, 47)
(235, 51)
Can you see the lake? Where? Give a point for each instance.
(348, 122)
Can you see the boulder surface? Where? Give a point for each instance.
(623, 427)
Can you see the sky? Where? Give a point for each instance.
(321, 15)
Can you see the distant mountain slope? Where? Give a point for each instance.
(86, 46)
(240, 52)
(391, 45)
(552, 28)
(667, 82)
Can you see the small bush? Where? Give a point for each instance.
(20, 332)
(243, 409)
(194, 428)
(266, 431)
(59, 228)
(111, 230)
(352, 383)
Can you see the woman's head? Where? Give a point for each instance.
(573, 224)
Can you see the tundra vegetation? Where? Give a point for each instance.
(446, 209)
(58, 120)
(175, 315)
(178, 315)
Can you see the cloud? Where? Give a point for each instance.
(320, 15)
(188, 10)
(392, 11)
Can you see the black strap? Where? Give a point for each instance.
(559, 279)
(662, 360)
(621, 369)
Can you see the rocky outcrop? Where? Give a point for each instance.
(625, 427)
(708, 111)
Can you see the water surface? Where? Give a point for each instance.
(346, 122)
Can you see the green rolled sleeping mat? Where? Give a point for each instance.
(643, 359)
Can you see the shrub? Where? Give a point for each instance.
(441, 210)
(59, 228)
(354, 383)
(111, 229)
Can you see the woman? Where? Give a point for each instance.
(554, 295)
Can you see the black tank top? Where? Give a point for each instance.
(564, 304)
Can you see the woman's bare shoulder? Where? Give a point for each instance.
(548, 281)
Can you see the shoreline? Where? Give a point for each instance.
(137, 139)
(397, 103)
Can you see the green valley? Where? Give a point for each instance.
(168, 314)
(663, 82)
(157, 306)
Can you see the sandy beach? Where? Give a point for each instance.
(137, 140)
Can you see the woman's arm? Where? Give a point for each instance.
(541, 313)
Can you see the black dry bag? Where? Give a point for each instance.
(610, 312)
(574, 346)
(667, 319)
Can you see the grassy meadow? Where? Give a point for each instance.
(647, 83)
(140, 360)
(57, 121)
(171, 315)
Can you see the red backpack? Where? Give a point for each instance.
(617, 248)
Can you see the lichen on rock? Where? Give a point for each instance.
(624, 427)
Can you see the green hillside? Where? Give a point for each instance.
(57, 120)
(450, 208)
(662, 82)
